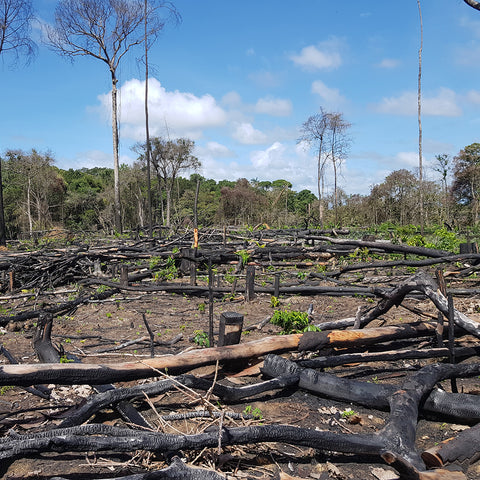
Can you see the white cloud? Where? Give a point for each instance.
(266, 79)
(272, 157)
(93, 158)
(274, 106)
(182, 113)
(232, 99)
(214, 150)
(331, 96)
(389, 63)
(473, 96)
(325, 56)
(444, 103)
(245, 133)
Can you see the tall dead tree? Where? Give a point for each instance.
(15, 24)
(105, 30)
(169, 157)
(339, 144)
(419, 98)
(314, 133)
(150, 11)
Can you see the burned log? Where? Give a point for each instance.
(230, 394)
(336, 360)
(176, 470)
(46, 352)
(423, 283)
(464, 447)
(79, 374)
(394, 443)
(463, 408)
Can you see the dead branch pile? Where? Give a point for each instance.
(144, 385)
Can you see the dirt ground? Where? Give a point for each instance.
(96, 327)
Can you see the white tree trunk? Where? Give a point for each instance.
(116, 161)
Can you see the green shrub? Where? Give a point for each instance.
(291, 321)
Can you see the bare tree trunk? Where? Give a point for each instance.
(29, 208)
(320, 180)
(335, 190)
(3, 229)
(116, 162)
(147, 136)
(168, 190)
(420, 160)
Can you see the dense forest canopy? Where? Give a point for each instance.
(40, 196)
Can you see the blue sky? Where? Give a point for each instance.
(240, 78)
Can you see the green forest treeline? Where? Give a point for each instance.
(39, 196)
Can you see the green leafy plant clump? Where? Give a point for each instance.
(201, 338)
(292, 321)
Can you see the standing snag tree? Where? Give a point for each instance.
(326, 133)
(150, 11)
(169, 158)
(15, 24)
(339, 144)
(419, 108)
(442, 166)
(314, 134)
(105, 30)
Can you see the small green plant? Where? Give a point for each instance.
(64, 359)
(5, 389)
(108, 315)
(244, 255)
(255, 412)
(274, 301)
(101, 289)
(348, 413)
(202, 307)
(229, 278)
(201, 338)
(292, 321)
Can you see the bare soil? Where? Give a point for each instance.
(108, 324)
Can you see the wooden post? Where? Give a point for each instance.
(276, 285)
(443, 289)
(11, 280)
(124, 275)
(451, 338)
(193, 273)
(210, 303)
(231, 324)
(250, 283)
(469, 247)
(97, 269)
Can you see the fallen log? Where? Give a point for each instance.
(423, 283)
(395, 443)
(46, 352)
(464, 408)
(176, 470)
(315, 341)
(464, 447)
(82, 413)
(336, 360)
(386, 246)
(80, 374)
